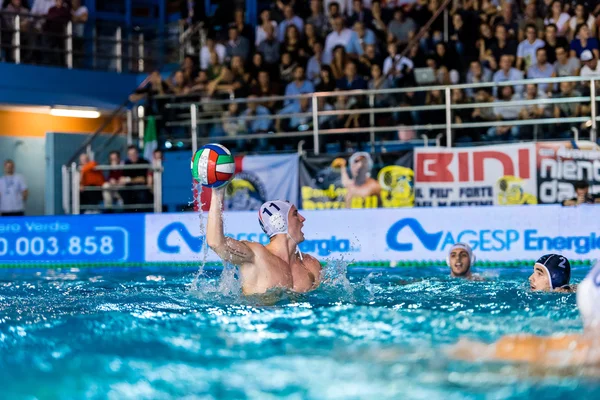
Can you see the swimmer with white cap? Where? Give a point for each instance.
(551, 273)
(279, 264)
(553, 351)
(460, 259)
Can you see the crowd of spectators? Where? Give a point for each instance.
(42, 29)
(315, 46)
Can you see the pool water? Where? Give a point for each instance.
(161, 334)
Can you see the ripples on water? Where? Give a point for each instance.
(175, 334)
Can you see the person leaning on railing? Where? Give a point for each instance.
(89, 176)
(14, 8)
(136, 177)
(114, 181)
(54, 29)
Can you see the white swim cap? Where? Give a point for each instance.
(461, 246)
(364, 155)
(588, 297)
(273, 217)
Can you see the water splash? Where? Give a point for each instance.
(335, 281)
(198, 200)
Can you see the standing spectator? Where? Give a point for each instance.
(210, 47)
(351, 80)
(557, 17)
(135, 177)
(541, 69)
(90, 177)
(114, 181)
(590, 64)
(583, 41)
(565, 65)
(79, 16)
(8, 24)
(269, 47)
(13, 192)
(41, 7)
(313, 67)
(266, 21)
(553, 42)
(299, 86)
(191, 11)
(582, 16)
(340, 36)
(403, 28)
(55, 24)
(290, 19)
(317, 18)
(477, 74)
(507, 73)
(237, 45)
(528, 47)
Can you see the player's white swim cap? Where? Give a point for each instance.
(273, 217)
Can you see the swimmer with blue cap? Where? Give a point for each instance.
(279, 264)
(551, 273)
(460, 259)
(554, 351)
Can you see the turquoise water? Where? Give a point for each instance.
(159, 334)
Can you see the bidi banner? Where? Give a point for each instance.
(360, 181)
(486, 175)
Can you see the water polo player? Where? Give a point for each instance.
(554, 351)
(460, 259)
(551, 273)
(279, 264)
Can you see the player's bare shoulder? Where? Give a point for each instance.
(312, 264)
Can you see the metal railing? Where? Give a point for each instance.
(72, 191)
(198, 115)
(99, 45)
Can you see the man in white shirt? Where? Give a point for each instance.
(13, 192)
(528, 47)
(590, 64)
(211, 45)
(339, 36)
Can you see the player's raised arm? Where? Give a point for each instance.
(227, 248)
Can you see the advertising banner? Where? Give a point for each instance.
(258, 179)
(420, 234)
(475, 176)
(86, 239)
(561, 164)
(361, 181)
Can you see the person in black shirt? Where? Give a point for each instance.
(136, 177)
(552, 42)
(583, 196)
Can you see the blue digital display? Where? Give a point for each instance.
(89, 238)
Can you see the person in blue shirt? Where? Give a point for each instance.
(313, 67)
(295, 122)
(360, 38)
(541, 69)
(255, 120)
(351, 80)
(583, 41)
(298, 86)
(507, 73)
(290, 19)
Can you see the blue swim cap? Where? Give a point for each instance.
(558, 268)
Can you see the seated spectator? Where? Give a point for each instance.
(483, 114)
(255, 67)
(553, 42)
(505, 113)
(583, 41)
(590, 64)
(477, 74)
(310, 37)
(582, 195)
(351, 80)
(265, 88)
(461, 116)
(507, 73)
(528, 47)
(299, 86)
(532, 111)
(361, 37)
(114, 182)
(269, 47)
(582, 16)
(541, 69)
(41, 8)
(200, 84)
(90, 177)
(295, 123)
(233, 124)
(178, 84)
(325, 121)
(557, 17)
(565, 65)
(340, 36)
(435, 117)
(290, 19)
(212, 46)
(338, 64)
(259, 124)
(379, 22)
(396, 67)
(463, 39)
(15, 7)
(215, 67)
(403, 28)
(237, 45)
(136, 177)
(531, 17)
(359, 13)
(293, 45)
(226, 83)
(317, 18)
(507, 18)
(286, 68)
(334, 7)
(326, 81)
(567, 110)
(244, 29)
(313, 67)
(239, 71)
(485, 41)
(446, 57)
(379, 82)
(265, 22)
(152, 86)
(157, 159)
(502, 46)
(188, 67)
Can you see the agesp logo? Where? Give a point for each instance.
(321, 247)
(489, 240)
